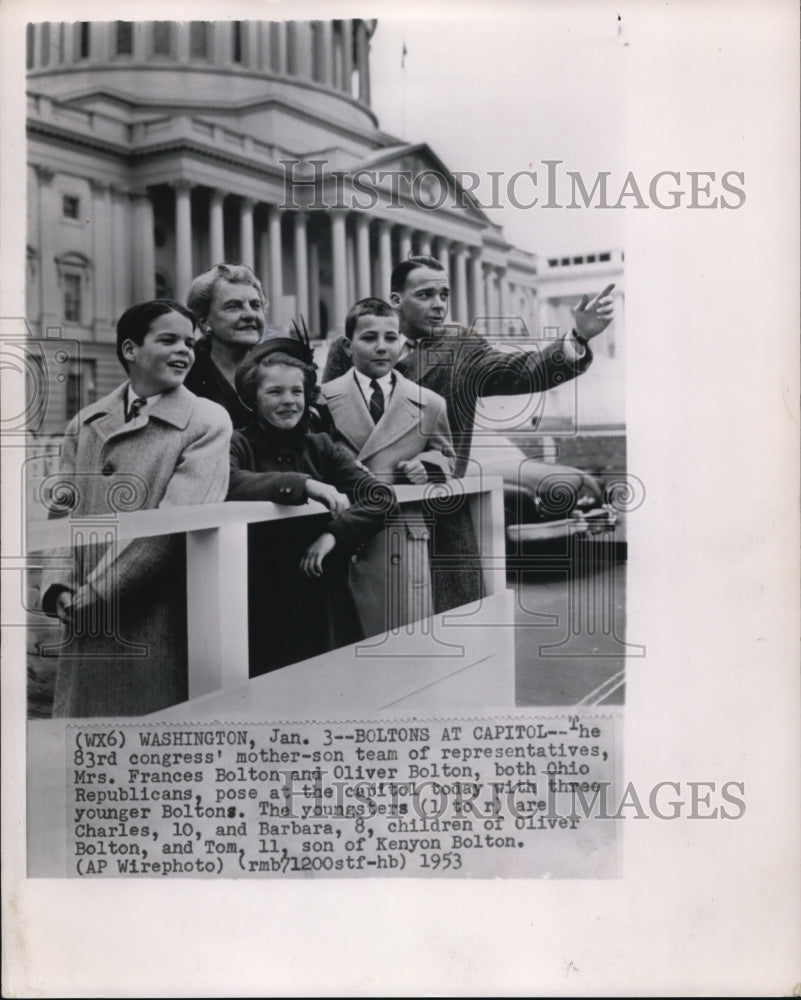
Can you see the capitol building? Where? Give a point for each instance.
(156, 149)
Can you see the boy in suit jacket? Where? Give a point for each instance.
(149, 443)
(399, 431)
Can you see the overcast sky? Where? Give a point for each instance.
(504, 93)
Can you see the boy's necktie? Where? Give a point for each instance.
(376, 401)
(136, 408)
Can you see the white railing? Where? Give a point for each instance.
(217, 577)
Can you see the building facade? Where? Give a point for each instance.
(157, 149)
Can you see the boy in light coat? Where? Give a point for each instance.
(399, 432)
(149, 443)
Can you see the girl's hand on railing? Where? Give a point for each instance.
(312, 561)
(335, 501)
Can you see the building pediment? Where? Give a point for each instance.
(412, 176)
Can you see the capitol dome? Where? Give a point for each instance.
(323, 65)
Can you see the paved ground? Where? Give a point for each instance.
(570, 627)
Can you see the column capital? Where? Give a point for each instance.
(217, 196)
(45, 174)
(247, 203)
(99, 187)
(182, 185)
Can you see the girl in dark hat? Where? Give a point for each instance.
(300, 604)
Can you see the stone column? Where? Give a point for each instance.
(246, 248)
(279, 40)
(350, 257)
(102, 252)
(264, 45)
(460, 280)
(301, 266)
(478, 305)
(216, 228)
(339, 266)
(533, 307)
(504, 302)
(182, 42)
(121, 276)
(489, 293)
(405, 243)
(262, 267)
(425, 244)
(276, 264)
(144, 253)
(68, 52)
(99, 41)
(444, 255)
(302, 49)
(250, 44)
(362, 62)
(347, 56)
(362, 256)
(221, 43)
(183, 238)
(49, 210)
(514, 308)
(313, 318)
(384, 258)
(326, 53)
(375, 275)
(139, 42)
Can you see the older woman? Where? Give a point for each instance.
(300, 604)
(229, 302)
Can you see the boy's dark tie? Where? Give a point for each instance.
(376, 401)
(136, 408)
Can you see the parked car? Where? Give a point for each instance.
(542, 500)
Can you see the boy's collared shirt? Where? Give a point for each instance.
(130, 396)
(364, 382)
